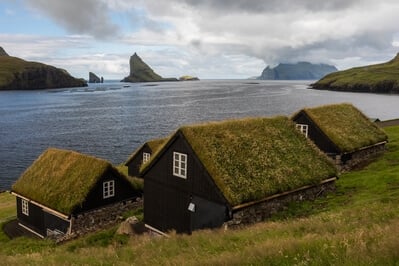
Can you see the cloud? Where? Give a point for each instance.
(285, 31)
(78, 16)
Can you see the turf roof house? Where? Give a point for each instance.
(64, 193)
(342, 132)
(142, 155)
(230, 171)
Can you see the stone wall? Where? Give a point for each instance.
(265, 209)
(99, 219)
(359, 158)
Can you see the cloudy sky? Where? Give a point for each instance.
(205, 38)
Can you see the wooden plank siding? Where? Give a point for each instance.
(167, 197)
(95, 198)
(135, 163)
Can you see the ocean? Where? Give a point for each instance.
(111, 120)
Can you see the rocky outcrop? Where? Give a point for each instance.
(298, 71)
(18, 74)
(93, 78)
(380, 78)
(3, 52)
(188, 78)
(141, 72)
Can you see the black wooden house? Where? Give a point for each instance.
(62, 190)
(205, 173)
(343, 132)
(142, 155)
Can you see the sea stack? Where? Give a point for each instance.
(141, 72)
(93, 78)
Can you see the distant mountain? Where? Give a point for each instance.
(141, 72)
(93, 78)
(298, 71)
(380, 78)
(18, 74)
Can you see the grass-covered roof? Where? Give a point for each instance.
(154, 145)
(61, 179)
(254, 158)
(346, 126)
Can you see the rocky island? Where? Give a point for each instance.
(380, 78)
(188, 78)
(141, 72)
(298, 71)
(18, 74)
(93, 78)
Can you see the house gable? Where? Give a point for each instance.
(121, 191)
(316, 134)
(347, 127)
(135, 161)
(168, 197)
(61, 180)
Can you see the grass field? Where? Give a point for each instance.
(358, 225)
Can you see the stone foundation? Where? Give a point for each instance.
(359, 158)
(263, 210)
(97, 219)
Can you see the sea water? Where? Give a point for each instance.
(111, 120)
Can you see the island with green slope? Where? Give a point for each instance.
(18, 74)
(141, 72)
(379, 78)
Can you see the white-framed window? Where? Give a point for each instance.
(108, 189)
(180, 164)
(303, 128)
(25, 207)
(146, 157)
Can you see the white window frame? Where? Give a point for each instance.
(303, 128)
(180, 164)
(25, 207)
(146, 157)
(108, 189)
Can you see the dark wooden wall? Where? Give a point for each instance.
(316, 135)
(166, 197)
(123, 191)
(35, 219)
(133, 167)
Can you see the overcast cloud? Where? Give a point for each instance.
(225, 38)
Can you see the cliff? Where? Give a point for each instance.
(18, 74)
(93, 78)
(298, 71)
(3, 52)
(380, 78)
(141, 72)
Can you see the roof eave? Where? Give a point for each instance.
(247, 204)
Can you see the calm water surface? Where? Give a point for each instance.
(111, 120)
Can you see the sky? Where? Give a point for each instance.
(211, 39)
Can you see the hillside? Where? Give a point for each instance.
(18, 74)
(380, 78)
(358, 225)
(141, 72)
(298, 71)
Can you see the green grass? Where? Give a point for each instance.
(254, 158)
(374, 78)
(358, 225)
(346, 126)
